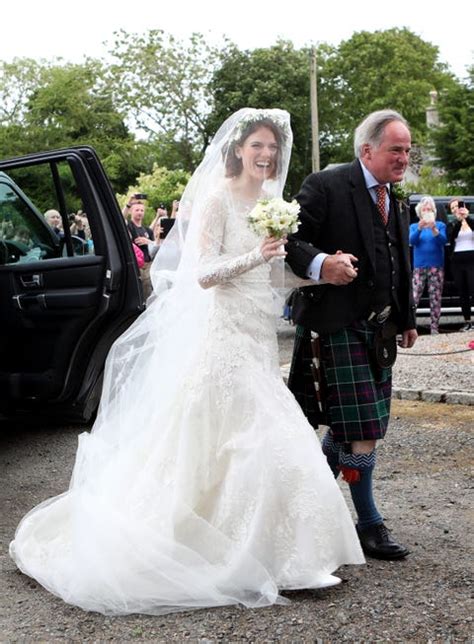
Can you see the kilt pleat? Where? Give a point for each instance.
(356, 393)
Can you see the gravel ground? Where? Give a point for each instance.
(424, 489)
(453, 370)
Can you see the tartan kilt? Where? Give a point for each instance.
(356, 394)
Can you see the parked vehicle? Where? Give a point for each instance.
(63, 300)
(450, 299)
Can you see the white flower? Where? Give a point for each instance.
(259, 115)
(274, 217)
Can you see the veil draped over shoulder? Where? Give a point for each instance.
(150, 360)
(201, 483)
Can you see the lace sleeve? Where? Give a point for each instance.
(215, 266)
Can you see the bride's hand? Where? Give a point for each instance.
(273, 247)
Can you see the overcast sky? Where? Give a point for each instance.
(52, 28)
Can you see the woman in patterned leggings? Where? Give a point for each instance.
(428, 238)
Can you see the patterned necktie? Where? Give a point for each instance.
(381, 205)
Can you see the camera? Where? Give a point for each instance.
(428, 216)
(140, 195)
(72, 218)
(166, 224)
(461, 204)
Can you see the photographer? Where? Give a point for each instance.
(144, 238)
(53, 219)
(137, 197)
(163, 223)
(79, 225)
(428, 239)
(461, 240)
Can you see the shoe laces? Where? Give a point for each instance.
(383, 530)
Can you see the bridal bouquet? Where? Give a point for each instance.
(274, 217)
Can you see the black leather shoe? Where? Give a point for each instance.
(377, 542)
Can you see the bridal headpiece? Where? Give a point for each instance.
(253, 116)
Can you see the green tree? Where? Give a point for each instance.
(277, 76)
(163, 84)
(74, 106)
(160, 185)
(60, 105)
(370, 71)
(18, 80)
(384, 69)
(454, 138)
(430, 183)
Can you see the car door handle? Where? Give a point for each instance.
(28, 302)
(31, 281)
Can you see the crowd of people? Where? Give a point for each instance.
(431, 239)
(146, 240)
(78, 224)
(215, 490)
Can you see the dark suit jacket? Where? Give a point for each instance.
(336, 214)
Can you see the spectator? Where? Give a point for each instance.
(143, 237)
(174, 209)
(137, 197)
(163, 223)
(23, 236)
(428, 238)
(53, 219)
(80, 225)
(155, 224)
(461, 239)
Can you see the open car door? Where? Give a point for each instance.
(64, 298)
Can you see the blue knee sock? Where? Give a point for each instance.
(331, 452)
(361, 490)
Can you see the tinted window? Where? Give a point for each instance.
(22, 237)
(41, 215)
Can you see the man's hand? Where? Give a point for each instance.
(408, 339)
(338, 269)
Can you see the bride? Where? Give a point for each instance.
(201, 483)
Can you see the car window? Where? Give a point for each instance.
(41, 216)
(22, 237)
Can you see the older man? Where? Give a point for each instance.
(53, 219)
(353, 239)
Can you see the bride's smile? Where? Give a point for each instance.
(259, 155)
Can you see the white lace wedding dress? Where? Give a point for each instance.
(221, 495)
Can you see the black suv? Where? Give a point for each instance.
(450, 299)
(62, 301)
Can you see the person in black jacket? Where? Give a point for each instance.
(143, 237)
(461, 243)
(353, 239)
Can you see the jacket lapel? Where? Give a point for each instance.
(363, 215)
(402, 217)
